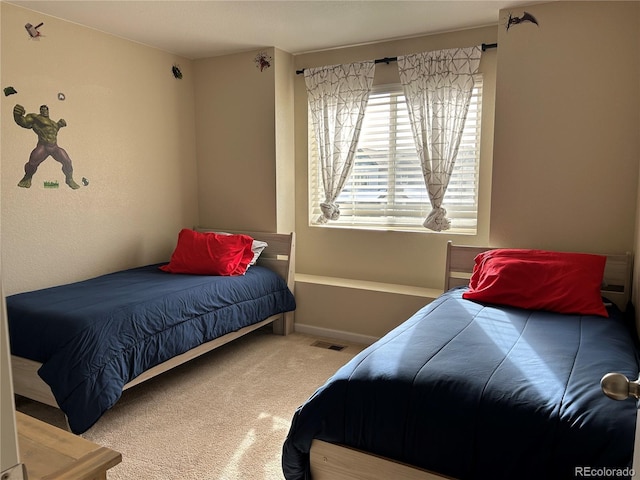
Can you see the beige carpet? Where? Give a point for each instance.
(222, 416)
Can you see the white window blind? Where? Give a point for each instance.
(386, 188)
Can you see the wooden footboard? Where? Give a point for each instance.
(336, 462)
(27, 382)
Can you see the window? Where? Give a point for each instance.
(386, 188)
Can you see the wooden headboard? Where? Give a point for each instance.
(278, 256)
(616, 284)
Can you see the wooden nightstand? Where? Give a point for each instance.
(50, 453)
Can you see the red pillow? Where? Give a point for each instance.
(208, 253)
(539, 280)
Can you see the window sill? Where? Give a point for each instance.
(387, 228)
(430, 293)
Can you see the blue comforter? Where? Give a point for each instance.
(95, 336)
(475, 391)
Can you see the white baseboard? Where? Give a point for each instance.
(335, 334)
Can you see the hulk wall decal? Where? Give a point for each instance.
(47, 131)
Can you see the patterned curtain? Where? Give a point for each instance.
(438, 86)
(337, 98)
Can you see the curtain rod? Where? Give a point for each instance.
(387, 60)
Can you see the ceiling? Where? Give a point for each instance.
(207, 28)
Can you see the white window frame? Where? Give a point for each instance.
(461, 199)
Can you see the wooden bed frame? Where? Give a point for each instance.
(338, 462)
(278, 256)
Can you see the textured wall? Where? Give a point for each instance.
(565, 169)
(130, 133)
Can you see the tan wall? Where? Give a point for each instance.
(352, 313)
(285, 142)
(236, 144)
(567, 141)
(130, 132)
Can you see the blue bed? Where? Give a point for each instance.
(92, 338)
(469, 390)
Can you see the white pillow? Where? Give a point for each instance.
(257, 247)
